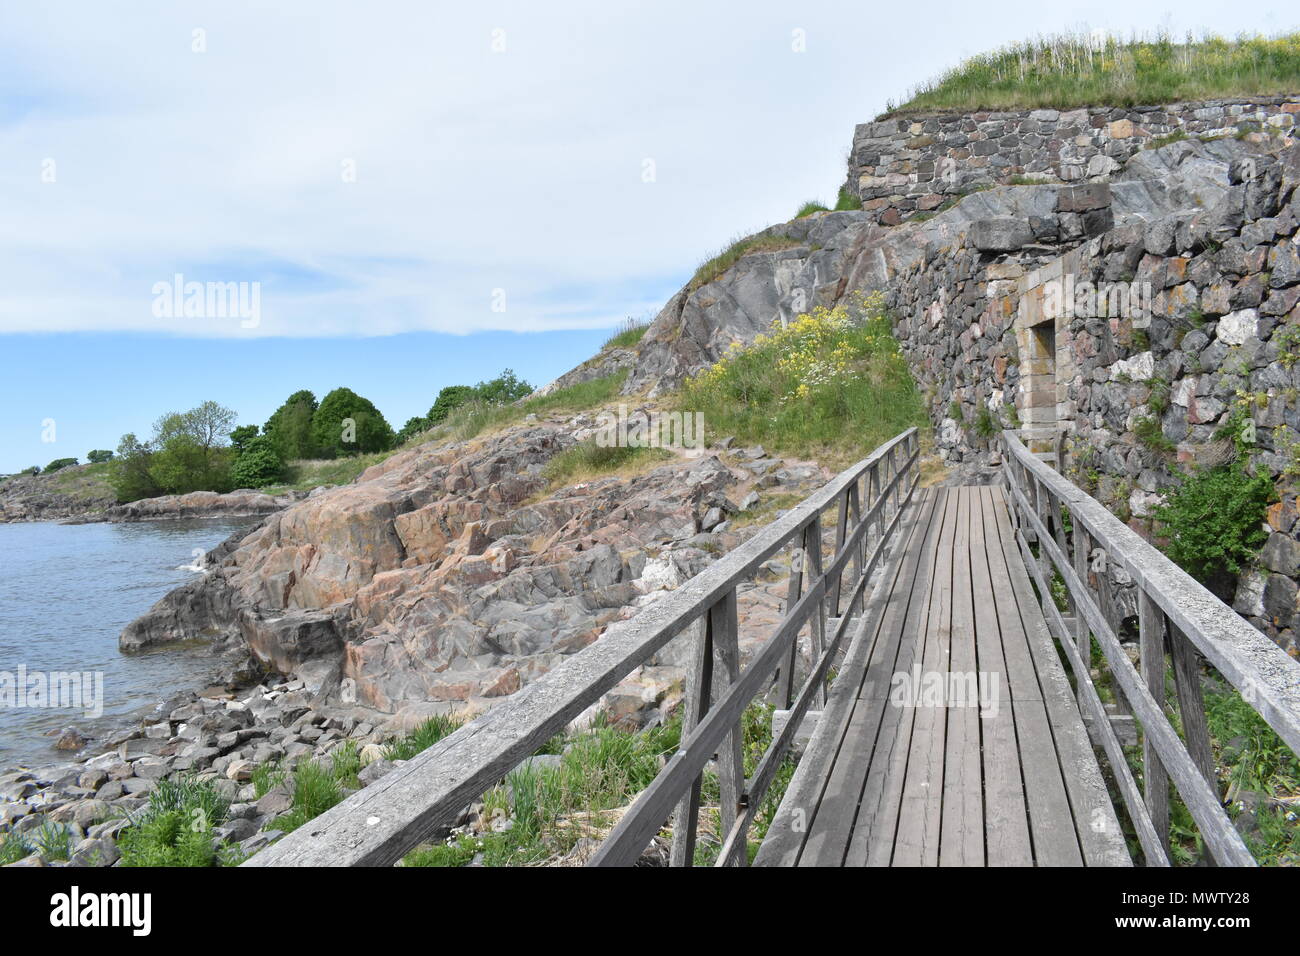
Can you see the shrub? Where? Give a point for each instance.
(1214, 520)
(258, 464)
(59, 463)
(98, 456)
(834, 383)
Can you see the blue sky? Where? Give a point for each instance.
(422, 193)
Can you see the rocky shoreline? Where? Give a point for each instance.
(439, 583)
(30, 498)
(219, 738)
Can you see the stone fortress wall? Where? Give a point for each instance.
(915, 163)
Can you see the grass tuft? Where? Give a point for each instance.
(712, 268)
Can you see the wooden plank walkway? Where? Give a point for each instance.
(951, 737)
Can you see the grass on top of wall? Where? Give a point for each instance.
(1080, 69)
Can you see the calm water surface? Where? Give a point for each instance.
(66, 592)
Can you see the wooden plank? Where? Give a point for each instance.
(962, 842)
(1006, 817)
(1257, 667)
(1022, 674)
(789, 828)
(920, 819)
(878, 820)
(378, 824)
(1155, 782)
(1061, 776)
(832, 824)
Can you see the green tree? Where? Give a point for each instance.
(506, 387)
(188, 452)
(413, 427)
(59, 463)
(347, 424)
(258, 464)
(290, 426)
(129, 472)
(191, 452)
(98, 456)
(448, 400)
(241, 436)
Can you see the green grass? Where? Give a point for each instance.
(589, 460)
(422, 737)
(1075, 70)
(629, 334)
(14, 848)
(810, 207)
(175, 827)
(833, 385)
(315, 790)
(714, 267)
(305, 475)
(847, 200)
(473, 418)
(552, 807)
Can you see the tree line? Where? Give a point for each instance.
(204, 449)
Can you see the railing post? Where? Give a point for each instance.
(1082, 636)
(699, 693)
(724, 622)
(1151, 628)
(859, 562)
(1187, 682)
(792, 594)
(817, 627)
(841, 531)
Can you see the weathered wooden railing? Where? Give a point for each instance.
(381, 823)
(1175, 614)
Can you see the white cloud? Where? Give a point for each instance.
(476, 170)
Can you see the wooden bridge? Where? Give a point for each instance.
(957, 710)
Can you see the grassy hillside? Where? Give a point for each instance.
(1083, 70)
(832, 385)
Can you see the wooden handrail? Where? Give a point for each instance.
(1268, 679)
(629, 838)
(382, 822)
